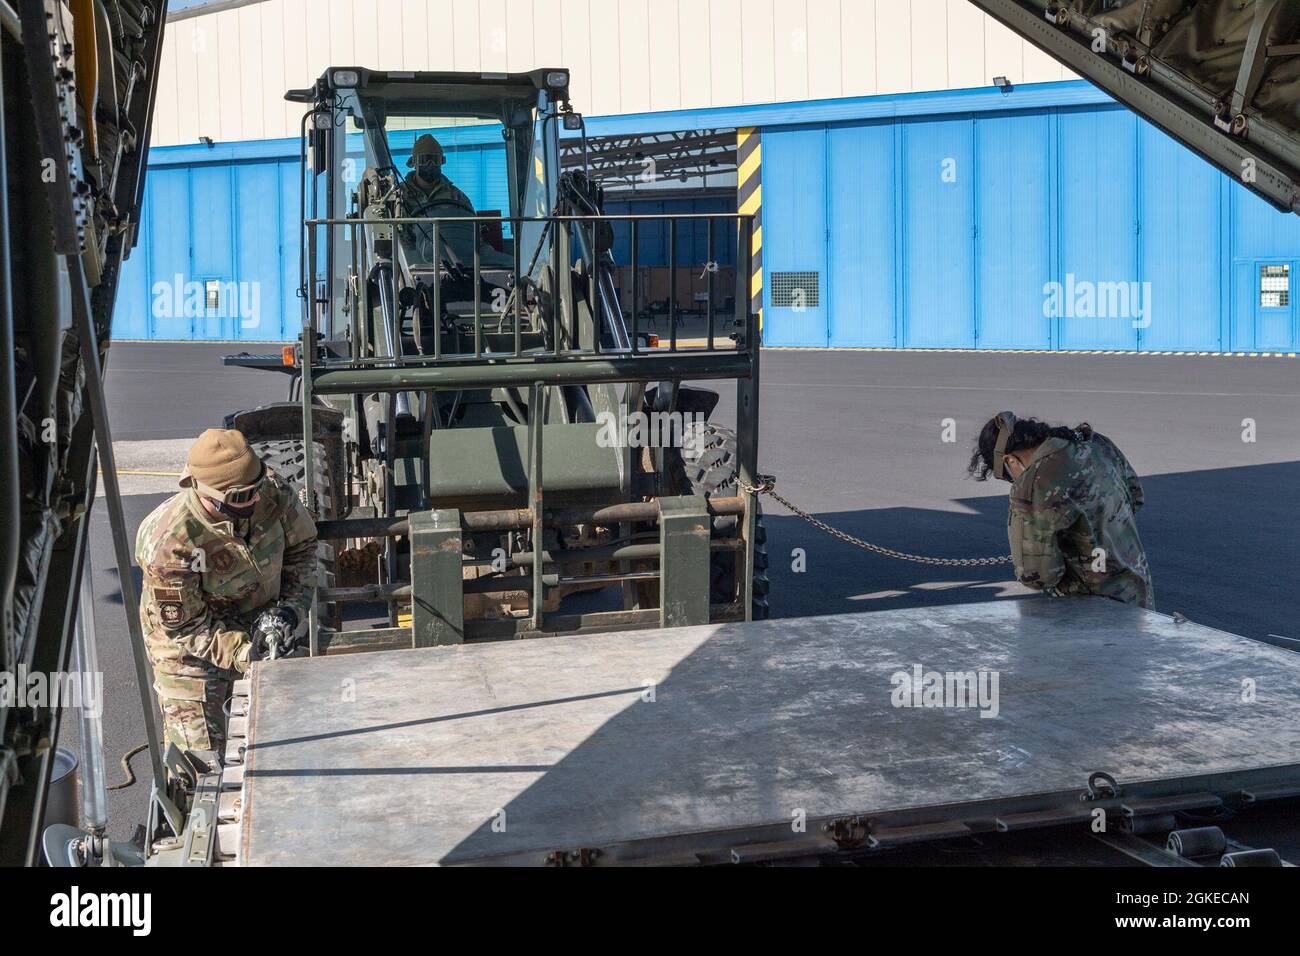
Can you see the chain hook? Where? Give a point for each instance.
(765, 485)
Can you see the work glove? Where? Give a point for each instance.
(276, 632)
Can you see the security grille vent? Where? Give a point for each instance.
(796, 290)
(1275, 287)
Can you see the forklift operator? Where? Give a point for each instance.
(229, 567)
(1074, 498)
(427, 186)
(427, 192)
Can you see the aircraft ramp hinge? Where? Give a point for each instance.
(583, 856)
(848, 832)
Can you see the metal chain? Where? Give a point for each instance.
(767, 486)
(126, 765)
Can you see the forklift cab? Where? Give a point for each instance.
(361, 137)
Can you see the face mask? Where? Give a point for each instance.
(238, 513)
(1006, 425)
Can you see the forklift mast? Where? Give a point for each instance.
(445, 346)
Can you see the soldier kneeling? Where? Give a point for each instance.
(230, 557)
(1074, 499)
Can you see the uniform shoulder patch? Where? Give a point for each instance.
(172, 613)
(167, 594)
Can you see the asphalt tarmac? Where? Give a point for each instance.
(859, 439)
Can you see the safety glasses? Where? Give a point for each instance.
(237, 496)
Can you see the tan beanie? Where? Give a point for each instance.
(426, 145)
(221, 459)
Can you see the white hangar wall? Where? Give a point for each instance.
(859, 102)
(224, 73)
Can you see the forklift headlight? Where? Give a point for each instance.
(557, 79)
(346, 78)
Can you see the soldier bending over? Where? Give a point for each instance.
(231, 556)
(1074, 500)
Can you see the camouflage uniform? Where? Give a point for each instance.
(442, 198)
(442, 192)
(197, 611)
(1072, 498)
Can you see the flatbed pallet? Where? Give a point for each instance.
(753, 742)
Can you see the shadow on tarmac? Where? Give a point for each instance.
(1223, 551)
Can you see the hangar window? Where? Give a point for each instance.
(796, 290)
(1275, 287)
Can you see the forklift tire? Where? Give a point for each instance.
(711, 471)
(274, 432)
(287, 459)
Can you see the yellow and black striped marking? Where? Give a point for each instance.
(749, 201)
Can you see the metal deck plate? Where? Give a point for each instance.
(462, 754)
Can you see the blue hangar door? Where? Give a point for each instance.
(1070, 228)
(914, 233)
(217, 256)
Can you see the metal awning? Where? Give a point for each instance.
(626, 162)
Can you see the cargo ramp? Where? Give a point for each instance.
(1220, 76)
